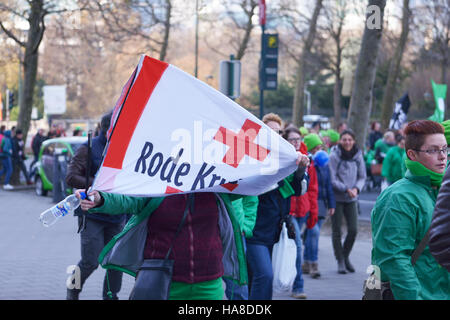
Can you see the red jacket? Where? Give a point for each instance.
(301, 205)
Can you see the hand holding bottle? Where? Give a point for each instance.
(94, 199)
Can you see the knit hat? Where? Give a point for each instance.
(303, 131)
(312, 140)
(446, 125)
(334, 135)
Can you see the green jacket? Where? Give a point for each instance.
(125, 252)
(400, 219)
(394, 165)
(246, 208)
(382, 147)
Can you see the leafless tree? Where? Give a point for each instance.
(295, 18)
(236, 21)
(34, 12)
(335, 14)
(147, 21)
(361, 99)
(387, 105)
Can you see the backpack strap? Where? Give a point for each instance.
(420, 248)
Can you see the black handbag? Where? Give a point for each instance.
(154, 277)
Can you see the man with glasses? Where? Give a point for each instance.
(402, 216)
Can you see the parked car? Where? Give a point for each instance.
(65, 147)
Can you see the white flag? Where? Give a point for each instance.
(171, 133)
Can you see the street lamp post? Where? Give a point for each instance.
(308, 95)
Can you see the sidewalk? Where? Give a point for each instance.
(34, 259)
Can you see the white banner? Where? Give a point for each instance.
(172, 133)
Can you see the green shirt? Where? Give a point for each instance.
(400, 219)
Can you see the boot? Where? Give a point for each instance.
(348, 265)
(315, 273)
(306, 267)
(341, 267)
(72, 294)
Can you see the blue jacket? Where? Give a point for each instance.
(326, 193)
(270, 208)
(6, 144)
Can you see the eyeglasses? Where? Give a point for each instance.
(433, 152)
(294, 139)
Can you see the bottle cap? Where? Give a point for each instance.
(83, 195)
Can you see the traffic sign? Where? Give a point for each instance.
(230, 78)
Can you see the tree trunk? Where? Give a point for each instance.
(30, 64)
(337, 100)
(299, 94)
(360, 103)
(165, 44)
(387, 105)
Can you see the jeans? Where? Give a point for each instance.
(349, 210)
(93, 238)
(298, 282)
(7, 168)
(233, 290)
(312, 242)
(259, 259)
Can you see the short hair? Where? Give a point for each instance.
(105, 122)
(399, 138)
(417, 130)
(389, 133)
(272, 117)
(349, 132)
(290, 129)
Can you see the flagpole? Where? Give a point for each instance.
(196, 39)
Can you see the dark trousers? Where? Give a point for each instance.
(349, 211)
(93, 238)
(22, 167)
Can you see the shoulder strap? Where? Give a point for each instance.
(189, 204)
(420, 248)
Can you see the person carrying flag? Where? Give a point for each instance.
(209, 244)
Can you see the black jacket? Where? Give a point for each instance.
(76, 174)
(439, 242)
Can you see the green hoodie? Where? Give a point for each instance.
(125, 251)
(394, 165)
(400, 219)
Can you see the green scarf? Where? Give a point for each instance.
(419, 169)
(286, 189)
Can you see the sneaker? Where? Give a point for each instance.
(305, 267)
(299, 295)
(8, 187)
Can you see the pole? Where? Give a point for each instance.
(7, 108)
(231, 77)
(261, 71)
(196, 39)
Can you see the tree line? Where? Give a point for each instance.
(362, 55)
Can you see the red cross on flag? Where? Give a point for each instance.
(172, 133)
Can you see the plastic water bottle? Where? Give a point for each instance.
(61, 209)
